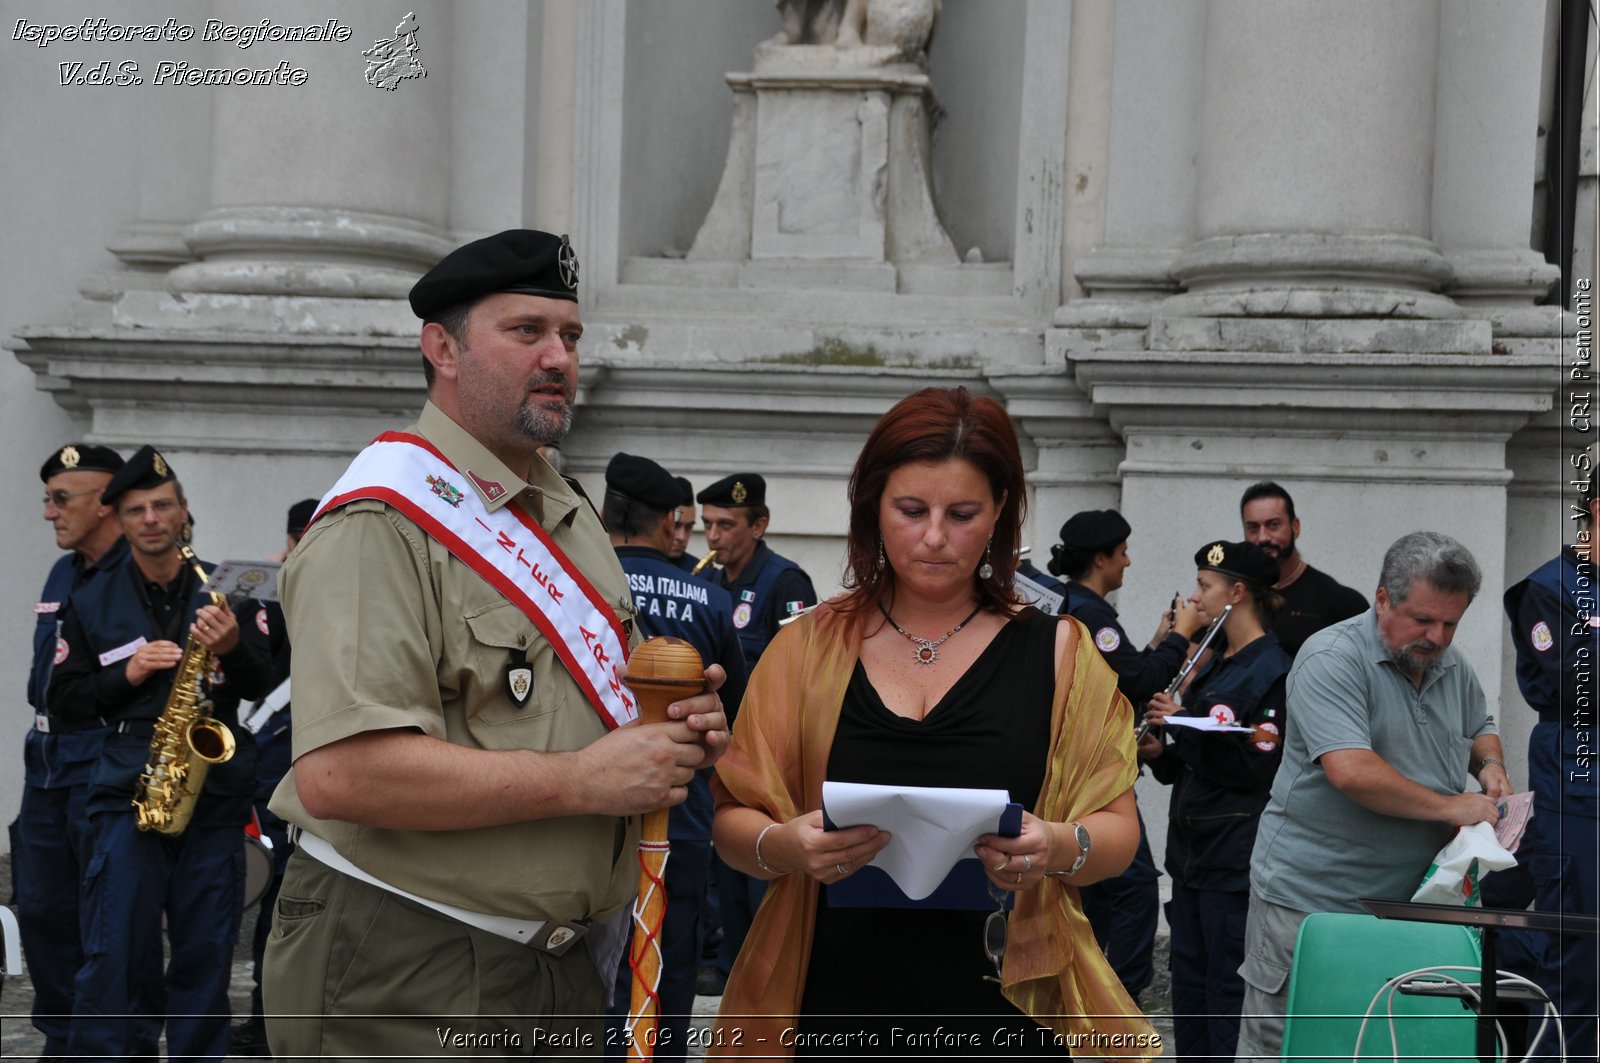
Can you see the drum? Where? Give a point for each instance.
(257, 868)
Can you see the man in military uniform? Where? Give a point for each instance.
(465, 792)
(640, 509)
(122, 637)
(1093, 556)
(50, 838)
(268, 719)
(1311, 599)
(766, 587)
(1556, 630)
(683, 527)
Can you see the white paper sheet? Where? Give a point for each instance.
(933, 826)
(1206, 723)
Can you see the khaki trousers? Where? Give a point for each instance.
(353, 971)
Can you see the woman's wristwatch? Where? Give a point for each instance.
(1081, 833)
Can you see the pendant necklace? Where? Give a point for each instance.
(927, 649)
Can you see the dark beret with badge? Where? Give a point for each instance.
(300, 515)
(1095, 530)
(643, 481)
(731, 492)
(146, 469)
(525, 261)
(1242, 561)
(80, 457)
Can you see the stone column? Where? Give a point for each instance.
(1315, 166)
(363, 210)
(1484, 147)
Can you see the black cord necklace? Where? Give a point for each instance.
(927, 649)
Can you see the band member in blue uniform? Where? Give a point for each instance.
(1555, 628)
(268, 719)
(1093, 557)
(683, 527)
(50, 837)
(641, 505)
(122, 637)
(766, 586)
(1220, 783)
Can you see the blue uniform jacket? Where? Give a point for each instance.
(1555, 627)
(103, 622)
(1221, 782)
(62, 756)
(1141, 674)
(669, 601)
(771, 588)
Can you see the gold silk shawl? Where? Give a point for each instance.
(1053, 970)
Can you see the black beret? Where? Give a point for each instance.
(730, 492)
(146, 469)
(1244, 561)
(1095, 529)
(517, 260)
(687, 498)
(643, 481)
(300, 515)
(80, 457)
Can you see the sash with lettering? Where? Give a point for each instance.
(509, 550)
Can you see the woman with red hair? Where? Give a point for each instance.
(929, 672)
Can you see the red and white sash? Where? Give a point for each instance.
(509, 550)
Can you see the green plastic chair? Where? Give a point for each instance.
(1341, 960)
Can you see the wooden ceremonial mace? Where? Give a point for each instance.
(661, 670)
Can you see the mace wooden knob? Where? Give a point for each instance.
(662, 670)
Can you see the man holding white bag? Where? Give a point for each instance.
(1389, 722)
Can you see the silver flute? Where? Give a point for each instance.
(1188, 666)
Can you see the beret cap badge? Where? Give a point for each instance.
(1215, 554)
(740, 493)
(70, 457)
(567, 263)
(159, 464)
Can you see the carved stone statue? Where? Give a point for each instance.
(904, 27)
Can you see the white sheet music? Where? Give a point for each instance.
(933, 826)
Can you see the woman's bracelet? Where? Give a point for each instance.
(768, 868)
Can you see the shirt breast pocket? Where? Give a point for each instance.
(509, 669)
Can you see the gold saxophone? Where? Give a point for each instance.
(700, 566)
(187, 740)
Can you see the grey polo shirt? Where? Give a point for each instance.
(1316, 849)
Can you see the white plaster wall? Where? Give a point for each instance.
(677, 112)
(976, 67)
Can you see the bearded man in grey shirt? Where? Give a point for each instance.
(1389, 722)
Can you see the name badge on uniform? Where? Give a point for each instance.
(519, 678)
(122, 652)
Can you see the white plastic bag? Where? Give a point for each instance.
(1453, 877)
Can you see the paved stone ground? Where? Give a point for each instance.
(19, 1040)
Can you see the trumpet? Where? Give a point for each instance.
(1188, 666)
(700, 565)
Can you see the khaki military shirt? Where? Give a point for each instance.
(392, 631)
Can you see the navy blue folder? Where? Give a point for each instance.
(965, 888)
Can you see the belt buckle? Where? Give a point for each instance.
(556, 938)
(41, 723)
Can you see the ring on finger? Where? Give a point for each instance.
(841, 869)
(1027, 861)
(1019, 878)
